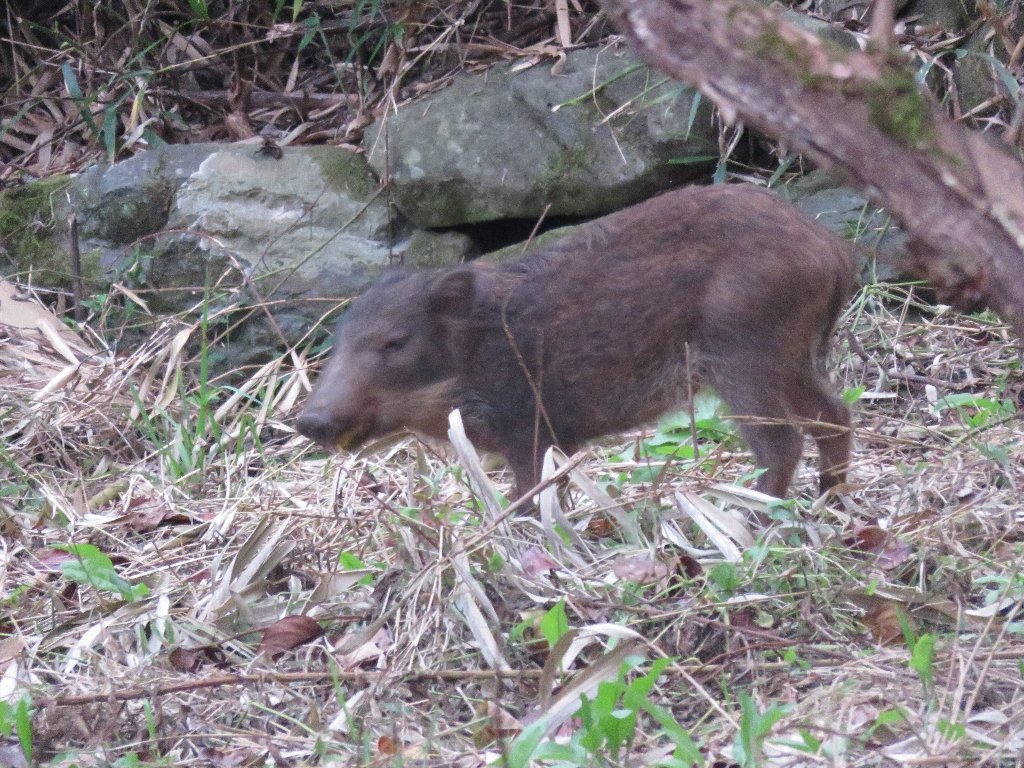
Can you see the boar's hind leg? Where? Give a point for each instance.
(828, 423)
(763, 421)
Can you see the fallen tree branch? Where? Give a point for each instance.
(862, 115)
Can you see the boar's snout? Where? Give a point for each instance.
(327, 429)
(318, 427)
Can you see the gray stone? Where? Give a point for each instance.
(307, 225)
(853, 217)
(600, 134)
(119, 203)
(436, 249)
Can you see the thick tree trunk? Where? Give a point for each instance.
(959, 194)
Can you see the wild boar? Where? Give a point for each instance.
(727, 286)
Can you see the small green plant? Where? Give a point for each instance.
(554, 623)
(92, 567)
(678, 436)
(374, 38)
(725, 579)
(16, 720)
(188, 440)
(755, 726)
(609, 724)
(853, 394)
(199, 9)
(812, 745)
(675, 433)
(922, 654)
(976, 411)
(190, 437)
(350, 562)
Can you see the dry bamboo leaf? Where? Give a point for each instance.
(608, 505)
(720, 528)
(342, 723)
(29, 316)
(591, 634)
(59, 381)
(369, 647)
(470, 460)
(333, 584)
(172, 368)
(563, 26)
(54, 337)
(133, 297)
(469, 598)
(262, 550)
(551, 514)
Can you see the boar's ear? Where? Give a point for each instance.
(452, 292)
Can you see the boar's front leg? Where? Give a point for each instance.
(527, 462)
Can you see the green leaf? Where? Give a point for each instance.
(109, 131)
(554, 623)
(685, 750)
(754, 728)
(350, 562)
(312, 27)
(921, 658)
(199, 9)
(94, 568)
(852, 394)
(23, 725)
(725, 577)
(524, 745)
(995, 453)
(71, 83)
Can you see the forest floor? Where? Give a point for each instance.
(186, 581)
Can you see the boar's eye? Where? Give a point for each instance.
(394, 344)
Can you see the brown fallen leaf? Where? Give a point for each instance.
(867, 538)
(536, 561)
(184, 660)
(227, 758)
(386, 746)
(498, 724)
(600, 527)
(50, 560)
(883, 622)
(641, 570)
(287, 633)
(689, 566)
(890, 551)
(191, 659)
(147, 515)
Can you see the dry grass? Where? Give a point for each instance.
(83, 81)
(428, 596)
(426, 645)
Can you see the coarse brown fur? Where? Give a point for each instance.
(596, 334)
